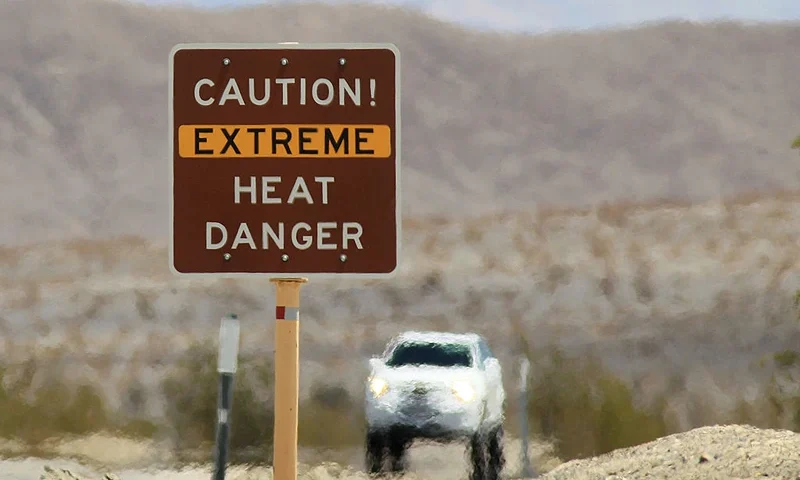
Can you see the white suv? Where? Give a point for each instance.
(436, 386)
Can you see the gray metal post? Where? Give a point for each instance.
(226, 366)
(527, 469)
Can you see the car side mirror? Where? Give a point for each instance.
(375, 362)
(491, 363)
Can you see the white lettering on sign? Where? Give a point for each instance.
(268, 233)
(300, 189)
(210, 227)
(307, 239)
(243, 235)
(324, 181)
(302, 235)
(266, 189)
(242, 189)
(284, 83)
(351, 231)
(322, 234)
(315, 91)
(231, 92)
(258, 91)
(238, 189)
(197, 98)
(251, 90)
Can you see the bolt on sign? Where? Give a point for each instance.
(285, 159)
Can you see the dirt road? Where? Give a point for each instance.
(427, 462)
(730, 452)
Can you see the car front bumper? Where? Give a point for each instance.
(423, 418)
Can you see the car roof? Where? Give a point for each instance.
(434, 336)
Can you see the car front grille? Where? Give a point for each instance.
(419, 411)
(420, 389)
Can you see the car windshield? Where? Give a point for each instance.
(431, 353)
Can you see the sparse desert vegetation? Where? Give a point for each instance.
(639, 319)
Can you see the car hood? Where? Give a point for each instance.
(433, 376)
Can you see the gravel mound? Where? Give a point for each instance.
(730, 452)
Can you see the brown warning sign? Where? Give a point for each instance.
(285, 159)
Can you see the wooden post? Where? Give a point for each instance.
(287, 376)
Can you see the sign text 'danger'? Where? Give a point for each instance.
(297, 141)
(302, 235)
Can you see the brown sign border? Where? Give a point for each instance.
(286, 46)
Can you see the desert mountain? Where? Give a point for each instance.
(490, 122)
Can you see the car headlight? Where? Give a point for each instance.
(378, 386)
(463, 390)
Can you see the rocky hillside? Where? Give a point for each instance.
(704, 292)
(489, 121)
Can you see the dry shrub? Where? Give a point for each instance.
(56, 410)
(413, 224)
(191, 388)
(474, 305)
(432, 283)
(474, 231)
(9, 256)
(556, 276)
(780, 407)
(544, 214)
(712, 246)
(744, 199)
(329, 419)
(600, 245)
(615, 215)
(144, 304)
(585, 409)
(643, 283)
(491, 263)
(521, 245)
(34, 415)
(28, 298)
(730, 221)
(430, 243)
(606, 287)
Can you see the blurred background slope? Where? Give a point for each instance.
(621, 195)
(490, 122)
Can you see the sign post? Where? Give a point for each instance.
(527, 470)
(285, 164)
(226, 366)
(287, 376)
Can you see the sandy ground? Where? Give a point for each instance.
(732, 452)
(93, 458)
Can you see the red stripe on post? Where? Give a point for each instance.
(280, 313)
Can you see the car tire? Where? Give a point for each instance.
(375, 452)
(486, 455)
(477, 457)
(496, 459)
(398, 446)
